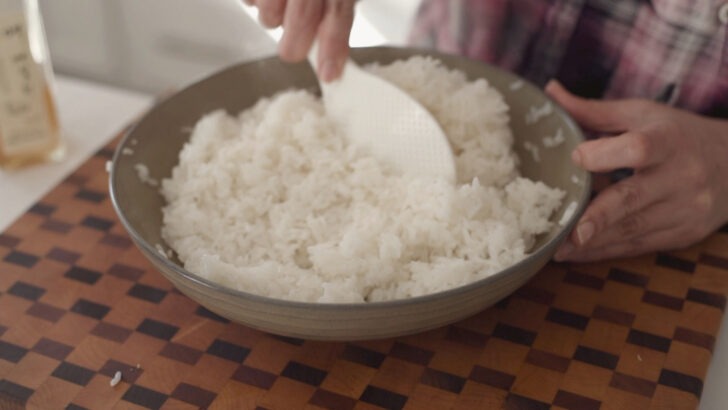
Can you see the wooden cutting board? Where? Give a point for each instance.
(78, 303)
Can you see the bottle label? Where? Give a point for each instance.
(25, 124)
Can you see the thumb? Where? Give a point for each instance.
(602, 116)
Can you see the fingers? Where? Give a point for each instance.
(270, 12)
(334, 38)
(649, 242)
(301, 20)
(633, 234)
(599, 115)
(623, 203)
(635, 150)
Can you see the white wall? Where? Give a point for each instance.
(392, 18)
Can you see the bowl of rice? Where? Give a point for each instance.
(243, 193)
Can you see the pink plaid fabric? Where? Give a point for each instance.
(675, 51)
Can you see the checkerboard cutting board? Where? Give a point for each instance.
(79, 303)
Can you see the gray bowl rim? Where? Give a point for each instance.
(548, 247)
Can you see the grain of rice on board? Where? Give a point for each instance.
(275, 202)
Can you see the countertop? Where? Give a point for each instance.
(91, 114)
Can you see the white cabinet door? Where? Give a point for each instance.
(159, 45)
(151, 45)
(79, 36)
(171, 42)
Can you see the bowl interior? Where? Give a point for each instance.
(157, 139)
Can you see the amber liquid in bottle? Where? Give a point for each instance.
(29, 127)
(52, 149)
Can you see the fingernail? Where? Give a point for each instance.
(553, 85)
(584, 231)
(564, 251)
(576, 157)
(329, 70)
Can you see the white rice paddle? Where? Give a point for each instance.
(378, 115)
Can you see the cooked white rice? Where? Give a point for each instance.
(143, 173)
(277, 203)
(554, 141)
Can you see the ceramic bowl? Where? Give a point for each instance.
(158, 137)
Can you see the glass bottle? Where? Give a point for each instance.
(29, 129)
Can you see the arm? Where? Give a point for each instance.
(303, 21)
(678, 193)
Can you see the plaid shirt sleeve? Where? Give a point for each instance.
(675, 51)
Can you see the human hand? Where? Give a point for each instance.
(678, 193)
(303, 21)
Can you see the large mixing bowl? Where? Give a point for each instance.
(156, 142)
